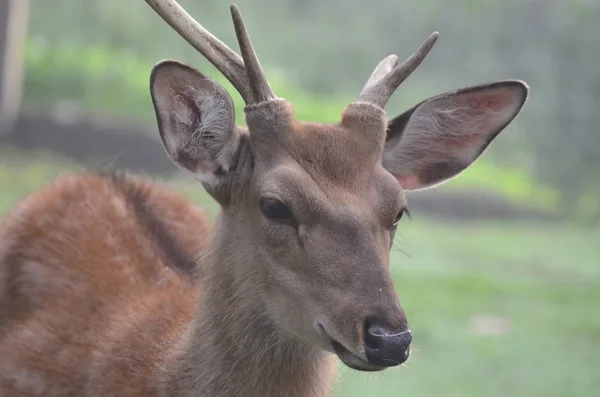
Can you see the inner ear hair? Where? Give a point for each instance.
(196, 121)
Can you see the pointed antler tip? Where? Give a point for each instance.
(427, 45)
(389, 74)
(238, 21)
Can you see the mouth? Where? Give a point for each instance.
(350, 359)
(353, 361)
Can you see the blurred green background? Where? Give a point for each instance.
(498, 270)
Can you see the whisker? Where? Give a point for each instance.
(394, 362)
(389, 335)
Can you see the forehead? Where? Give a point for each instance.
(332, 154)
(329, 160)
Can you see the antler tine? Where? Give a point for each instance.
(256, 77)
(218, 53)
(388, 75)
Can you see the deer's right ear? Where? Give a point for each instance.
(196, 120)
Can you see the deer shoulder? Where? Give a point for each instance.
(80, 261)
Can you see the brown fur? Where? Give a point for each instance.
(83, 274)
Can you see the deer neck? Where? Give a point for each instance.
(233, 348)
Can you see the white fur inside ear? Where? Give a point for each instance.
(198, 128)
(211, 130)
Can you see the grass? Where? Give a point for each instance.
(496, 309)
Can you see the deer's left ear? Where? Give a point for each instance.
(442, 136)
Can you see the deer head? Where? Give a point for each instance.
(319, 204)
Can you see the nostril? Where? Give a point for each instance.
(374, 336)
(386, 347)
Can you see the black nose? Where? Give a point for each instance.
(386, 347)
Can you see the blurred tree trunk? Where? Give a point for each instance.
(13, 33)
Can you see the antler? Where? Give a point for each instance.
(388, 74)
(245, 73)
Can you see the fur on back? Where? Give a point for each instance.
(95, 269)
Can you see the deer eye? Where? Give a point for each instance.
(275, 210)
(400, 216)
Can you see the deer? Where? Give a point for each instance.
(113, 284)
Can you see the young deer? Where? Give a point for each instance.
(114, 286)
